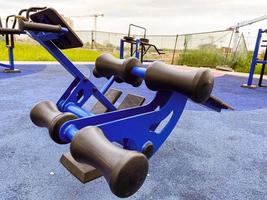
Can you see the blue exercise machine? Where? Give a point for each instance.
(114, 142)
(260, 43)
(9, 33)
(139, 47)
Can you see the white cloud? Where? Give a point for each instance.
(159, 16)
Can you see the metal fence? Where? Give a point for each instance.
(208, 49)
(109, 42)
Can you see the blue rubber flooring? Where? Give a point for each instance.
(209, 155)
(25, 70)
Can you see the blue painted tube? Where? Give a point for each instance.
(68, 134)
(254, 59)
(107, 85)
(137, 53)
(139, 71)
(11, 57)
(78, 111)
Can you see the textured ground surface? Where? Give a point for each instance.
(208, 156)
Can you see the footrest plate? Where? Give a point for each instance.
(83, 172)
(130, 101)
(249, 86)
(11, 71)
(112, 95)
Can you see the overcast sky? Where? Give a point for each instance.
(159, 16)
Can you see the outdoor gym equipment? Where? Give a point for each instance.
(255, 60)
(138, 46)
(9, 33)
(135, 128)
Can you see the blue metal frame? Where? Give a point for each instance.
(121, 49)
(118, 125)
(255, 60)
(10, 48)
(135, 53)
(121, 126)
(81, 89)
(11, 65)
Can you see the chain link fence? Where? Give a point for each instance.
(209, 49)
(110, 42)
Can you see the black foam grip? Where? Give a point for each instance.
(46, 114)
(32, 26)
(124, 170)
(195, 84)
(106, 66)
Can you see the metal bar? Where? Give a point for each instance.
(14, 21)
(137, 53)
(129, 32)
(254, 59)
(11, 57)
(121, 49)
(107, 85)
(78, 111)
(142, 52)
(59, 56)
(174, 50)
(229, 46)
(5, 65)
(139, 71)
(68, 134)
(262, 61)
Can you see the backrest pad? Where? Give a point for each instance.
(51, 16)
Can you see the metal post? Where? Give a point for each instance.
(174, 50)
(11, 58)
(254, 61)
(137, 53)
(122, 49)
(92, 40)
(263, 68)
(229, 46)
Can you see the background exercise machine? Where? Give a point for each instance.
(260, 43)
(139, 47)
(9, 33)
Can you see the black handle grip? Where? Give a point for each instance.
(33, 9)
(32, 26)
(29, 10)
(124, 170)
(22, 11)
(195, 84)
(129, 31)
(14, 22)
(46, 114)
(106, 66)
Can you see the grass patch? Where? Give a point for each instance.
(35, 52)
(201, 58)
(214, 57)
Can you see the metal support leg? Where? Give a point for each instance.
(10, 47)
(263, 70)
(254, 62)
